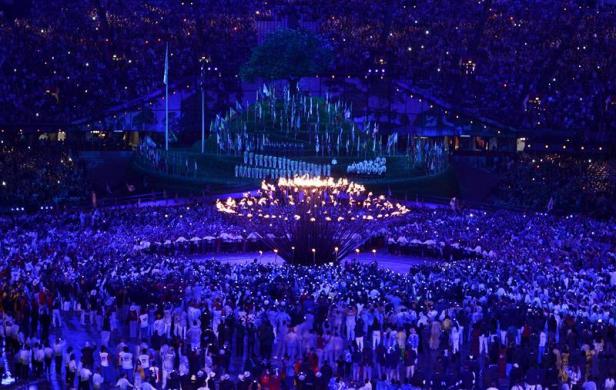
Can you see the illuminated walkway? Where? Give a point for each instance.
(394, 263)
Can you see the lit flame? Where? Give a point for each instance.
(314, 198)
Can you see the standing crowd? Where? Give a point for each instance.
(540, 311)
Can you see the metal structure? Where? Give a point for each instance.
(312, 221)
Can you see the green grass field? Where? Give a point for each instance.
(216, 175)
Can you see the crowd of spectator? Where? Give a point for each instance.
(539, 64)
(557, 183)
(39, 174)
(536, 64)
(60, 63)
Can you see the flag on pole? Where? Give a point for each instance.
(338, 142)
(392, 139)
(166, 74)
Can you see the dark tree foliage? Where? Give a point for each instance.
(288, 55)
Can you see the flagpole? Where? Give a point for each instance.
(166, 81)
(202, 111)
(167, 117)
(202, 120)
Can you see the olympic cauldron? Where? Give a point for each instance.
(312, 220)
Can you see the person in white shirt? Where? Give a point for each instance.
(48, 357)
(23, 362)
(366, 386)
(454, 338)
(105, 369)
(180, 323)
(543, 338)
(126, 361)
(144, 358)
(483, 343)
(168, 358)
(71, 370)
(159, 326)
(123, 383)
(58, 351)
(144, 325)
(97, 379)
(194, 335)
(84, 378)
(609, 383)
(38, 357)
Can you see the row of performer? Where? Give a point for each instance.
(245, 171)
(275, 162)
(378, 166)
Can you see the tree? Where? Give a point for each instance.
(288, 55)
